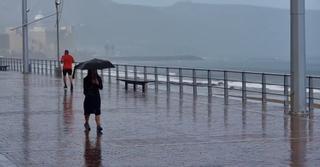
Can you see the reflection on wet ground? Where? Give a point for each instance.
(42, 125)
(92, 152)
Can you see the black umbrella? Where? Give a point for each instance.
(94, 64)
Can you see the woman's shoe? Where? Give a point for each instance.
(87, 126)
(99, 129)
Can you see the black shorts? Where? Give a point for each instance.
(67, 71)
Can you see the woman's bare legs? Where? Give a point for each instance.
(98, 120)
(99, 128)
(86, 123)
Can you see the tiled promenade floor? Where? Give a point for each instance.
(41, 125)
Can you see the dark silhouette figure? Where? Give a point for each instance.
(92, 83)
(92, 153)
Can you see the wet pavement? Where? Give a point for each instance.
(42, 125)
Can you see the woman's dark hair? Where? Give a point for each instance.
(92, 72)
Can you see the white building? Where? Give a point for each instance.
(42, 40)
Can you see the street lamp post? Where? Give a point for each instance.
(298, 57)
(25, 49)
(58, 69)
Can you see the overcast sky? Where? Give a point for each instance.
(313, 4)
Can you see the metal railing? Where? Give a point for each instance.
(246, 85)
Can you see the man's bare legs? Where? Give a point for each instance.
(65, 81)
(71, 84)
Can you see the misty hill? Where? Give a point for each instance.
(221, 32)
(188, 28)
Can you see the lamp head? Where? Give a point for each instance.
(58, 2)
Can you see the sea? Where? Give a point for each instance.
(274, 83)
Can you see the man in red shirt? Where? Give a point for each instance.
(67, 61)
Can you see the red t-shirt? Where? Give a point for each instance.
(67, 61)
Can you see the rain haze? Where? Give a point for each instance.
(311, 4)
(230, 34)
(167, 83)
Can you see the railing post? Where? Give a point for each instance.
(21, 65)
(38, 67)
(244, 88)
(31, 67)
(209, 84)
(286, 92)
(8, 63)
(102, 75)
(34, 66)
(310, 93)
(56, 66)
(168, 79)
(11, 64)
(51, 69)
(14, 64)
(226, 88)
(42, 63)
(125, 71)
(264, 88)
(180, 81)
(135, 72)
(109, 75)
(117, 72)
(194, 82)
(12, 68)
(145, 77)
(17, 64)
(156, 84)
(46, 66)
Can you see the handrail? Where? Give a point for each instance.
(261, 85)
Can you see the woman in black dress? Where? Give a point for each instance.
(92, 102)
